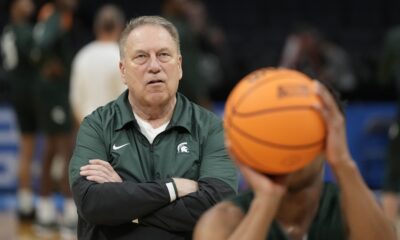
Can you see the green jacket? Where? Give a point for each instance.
(192, 147)
(328, 224)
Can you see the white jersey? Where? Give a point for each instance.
(95, 77)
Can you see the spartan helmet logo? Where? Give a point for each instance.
(182, 148)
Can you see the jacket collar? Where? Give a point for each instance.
(181, 116)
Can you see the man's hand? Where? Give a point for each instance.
(100, 171)
(185, 186)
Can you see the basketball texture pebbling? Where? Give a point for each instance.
(270, 123)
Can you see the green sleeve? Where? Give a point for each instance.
(89, 145)
(216, 162)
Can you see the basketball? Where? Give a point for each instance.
(270, 124)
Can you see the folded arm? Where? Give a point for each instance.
(217, 180)
(117, 203)
(182, 214)
(104, 199)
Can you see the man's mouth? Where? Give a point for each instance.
(155, 81)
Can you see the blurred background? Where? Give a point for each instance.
(354, 45)
(255, 33)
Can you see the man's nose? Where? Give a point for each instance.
(154, 65)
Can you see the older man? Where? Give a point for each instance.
(147, 165)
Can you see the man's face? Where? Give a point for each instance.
(151, 66)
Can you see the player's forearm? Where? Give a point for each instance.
(219, 222)
(117, 203)
(256, 223)
(364, 217)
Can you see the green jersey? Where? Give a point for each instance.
(16, 48)
(328, 223)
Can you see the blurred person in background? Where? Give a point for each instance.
(216, 60)
(193, 86)
(308, 51)
(389, 74)
(54, 52)
(95, 76)
(21, 73)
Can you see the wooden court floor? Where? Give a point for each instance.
(12, 229)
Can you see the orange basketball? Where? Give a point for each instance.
(269, 121)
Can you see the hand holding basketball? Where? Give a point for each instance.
(270, 121)
(264, 186)
(336, 146)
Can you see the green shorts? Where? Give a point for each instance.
(24, 101)
(55, 115)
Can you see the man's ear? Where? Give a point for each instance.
(122, 71)
(180, 67)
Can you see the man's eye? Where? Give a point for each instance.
(164, 56)
(141, 58)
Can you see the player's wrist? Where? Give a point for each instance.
(344, 168)
(340, 162)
